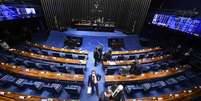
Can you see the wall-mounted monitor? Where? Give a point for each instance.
(30, 11)
(12, 12)
(183, 24)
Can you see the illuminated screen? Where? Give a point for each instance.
(30, 11)
(183, 24)
(8, 12)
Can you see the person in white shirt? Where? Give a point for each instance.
(118, 93)
(93, 81)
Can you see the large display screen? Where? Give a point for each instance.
(184, 24)
(30, 11)
(9, 12)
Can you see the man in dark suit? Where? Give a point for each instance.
(93, 81)
(97, 56)
(107, 55)
(106, 95)
(177, 52)
(135, 68)
(100, 50)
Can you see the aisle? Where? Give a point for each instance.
(90, 66)
(91, 43)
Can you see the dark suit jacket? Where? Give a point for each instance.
(96, 54)
(90, 82)
(107, 56)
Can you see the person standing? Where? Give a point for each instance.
(93, 81)
(97, 56)
(107, 55)
(100, 50)
(106, 95)
(118, 93)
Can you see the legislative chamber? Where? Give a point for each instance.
(100, 50)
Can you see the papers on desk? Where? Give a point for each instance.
(111, 63)
(82, 62)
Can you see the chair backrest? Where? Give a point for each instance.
(56, 54)
(44, 52)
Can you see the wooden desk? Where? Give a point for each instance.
(57, 49)
(47, 58)
(41, 74)
(146, 50)
(140, 61)
(184, 95)
(11, 96)
(2, 98)
(146, 76)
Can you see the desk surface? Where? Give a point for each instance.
(146, 76)
(57, 49)
(10, 96)
(140, 61)
(136, 51)
(95, 25)
(47, 58)
(184, 95)
(41, 74)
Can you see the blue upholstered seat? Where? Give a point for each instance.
(56, 54)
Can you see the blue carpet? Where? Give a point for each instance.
(93, 39)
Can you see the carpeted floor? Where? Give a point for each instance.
(90, 40)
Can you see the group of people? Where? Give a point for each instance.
(115, 93)
(99, 56)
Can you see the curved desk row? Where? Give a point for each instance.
(79, 78)
(140, 61)
(45, 47)
(184, 95)
(47, 58)
(146, 76)
(86, 52)
(41, 74)
(146, 50)
(83, 62)
(10, 96)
